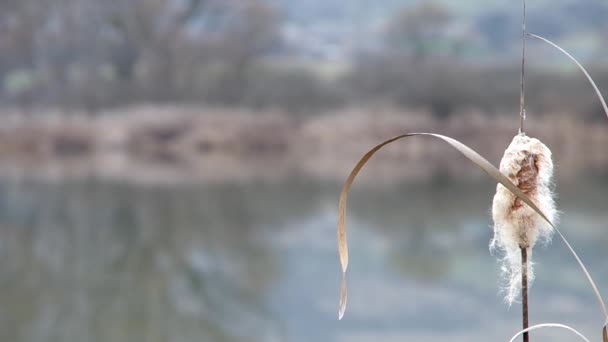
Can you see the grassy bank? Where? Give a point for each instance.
(175, 142)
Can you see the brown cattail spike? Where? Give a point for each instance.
(527, 163)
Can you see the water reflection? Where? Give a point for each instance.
(91, 260)
(109, 262)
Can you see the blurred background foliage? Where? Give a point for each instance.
(301, 56)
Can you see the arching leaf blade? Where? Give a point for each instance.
(580, 66)
(550, 325)
(478, 160)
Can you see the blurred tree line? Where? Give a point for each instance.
(94, 54)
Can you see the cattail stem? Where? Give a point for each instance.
(524, 291)
(522, 102)
(605, 333)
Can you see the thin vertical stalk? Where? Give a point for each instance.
(522, 98)
(524, 291)
(522, 118)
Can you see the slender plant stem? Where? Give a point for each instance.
(605, 334)
(522, 101)
(524, 291)
(522, 118)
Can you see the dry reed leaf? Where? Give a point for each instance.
(580, 66)
(549, 325)
(475, 158)
(605, 107)
(343, 296)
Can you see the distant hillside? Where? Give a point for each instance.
(495, 22)
(312, 10)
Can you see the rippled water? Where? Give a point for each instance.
(90, 260)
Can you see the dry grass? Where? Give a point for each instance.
(135, 141)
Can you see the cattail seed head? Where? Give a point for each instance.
(527, 163)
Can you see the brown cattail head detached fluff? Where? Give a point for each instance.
(527, 163)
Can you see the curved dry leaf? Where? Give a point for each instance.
(580, 66)
(550, 325)
(605, 107)
(343, 297)
(475, 158)
(342, 241)
(587, 274)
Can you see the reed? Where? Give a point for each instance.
(523, 209)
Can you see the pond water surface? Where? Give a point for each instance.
(94, 260)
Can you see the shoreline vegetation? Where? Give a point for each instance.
(177, 144)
